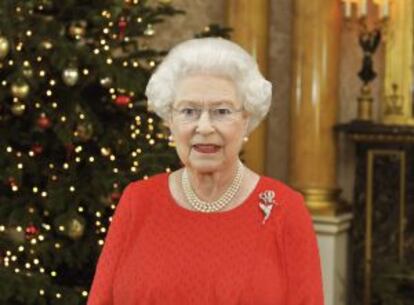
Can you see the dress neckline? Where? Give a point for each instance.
(234, 211)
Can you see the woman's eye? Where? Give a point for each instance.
(188, 111)
(223, 111)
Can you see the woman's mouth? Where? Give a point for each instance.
(206, 148)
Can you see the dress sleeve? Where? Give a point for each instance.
(302, 255)
(101, 290)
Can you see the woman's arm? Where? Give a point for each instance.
(101, 290)
(302, 255)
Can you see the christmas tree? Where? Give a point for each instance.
(74, 130)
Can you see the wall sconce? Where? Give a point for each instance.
(369, 40)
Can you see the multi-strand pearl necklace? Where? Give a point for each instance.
(209, 207)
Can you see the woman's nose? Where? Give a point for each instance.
(204, 124)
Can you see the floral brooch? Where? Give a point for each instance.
(266, 204)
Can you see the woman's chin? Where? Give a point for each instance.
(205, 166)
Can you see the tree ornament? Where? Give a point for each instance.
(18, 108)
(122, 24)
(77, 29)
(37, 149)
(106, 200)
(84, 131)
(46, 45)
(149, 31)
(122, 100)
(4, 47)
(70, 76)
(106, 82)
(70, 149)
(105, 151)
(165, 1)
(27, 72)
(115, 196)
(31, 231)
(43, 121)
(20, 89)
(76, 227)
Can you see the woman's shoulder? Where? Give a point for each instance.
(147, 184)
(282, 189)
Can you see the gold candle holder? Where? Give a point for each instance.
(365, 101)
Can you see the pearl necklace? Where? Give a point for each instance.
(209, 207)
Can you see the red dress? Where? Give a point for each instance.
(159, 253)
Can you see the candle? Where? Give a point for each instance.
(363, 8)
(348, 9)
(385, 9)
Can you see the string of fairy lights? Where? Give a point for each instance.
(30, 237)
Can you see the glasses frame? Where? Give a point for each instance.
(204, 109)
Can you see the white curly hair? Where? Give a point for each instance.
(214, 56)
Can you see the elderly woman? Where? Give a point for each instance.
(213, 232)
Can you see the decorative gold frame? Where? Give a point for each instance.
(396, 104)
(372, 154)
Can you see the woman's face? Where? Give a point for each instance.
(207, 122)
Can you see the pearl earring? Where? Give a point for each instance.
(245, 139)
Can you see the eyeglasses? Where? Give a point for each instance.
(219, 114)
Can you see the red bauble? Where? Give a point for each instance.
(122, 24)
(31, 231)
(11, 181)
(115, 196)
(44, 122)
(37, 149)
(70, 148)
(122, 100)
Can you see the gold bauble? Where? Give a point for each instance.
(84, 131)
(18, 108)
(20, 89)
(46, 45)
(77, 30)
(4, 47)
(70, 76)
(27, 71)
(105, 151)
(76, 227)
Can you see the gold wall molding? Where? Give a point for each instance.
(372, 154)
